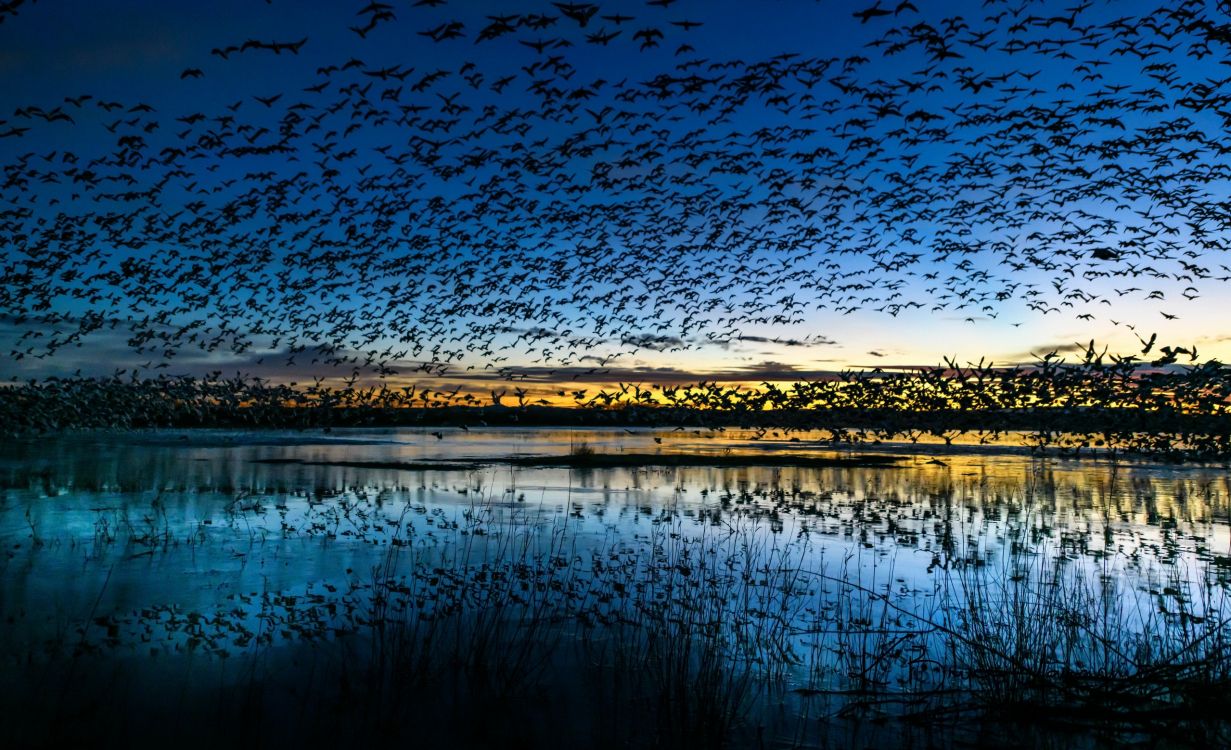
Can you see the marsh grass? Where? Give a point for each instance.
(1087, 649)
(681, 629)
(692, 628)
(506, 620)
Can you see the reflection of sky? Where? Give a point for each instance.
(242, 527)
(134, 51)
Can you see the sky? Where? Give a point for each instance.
(716, 274)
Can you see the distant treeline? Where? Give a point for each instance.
(1116, 404)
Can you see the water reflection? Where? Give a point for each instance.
(137, 534)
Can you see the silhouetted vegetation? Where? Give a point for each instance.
(701, 632)
(1116, 404)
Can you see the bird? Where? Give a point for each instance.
(874, 11)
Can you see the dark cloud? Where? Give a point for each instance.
(653, 342)
(809, 341)
(761, 371)
(1036, 353)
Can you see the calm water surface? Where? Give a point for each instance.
(134, 534)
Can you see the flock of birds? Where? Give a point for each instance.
(538, 202)
(1101, 402)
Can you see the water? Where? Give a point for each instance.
(238, 552)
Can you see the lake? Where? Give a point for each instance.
(363, 584)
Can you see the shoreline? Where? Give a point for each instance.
(784, 451)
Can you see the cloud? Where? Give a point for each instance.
(809, 341)
(757, 372)
(1034, 354)
(653, 342)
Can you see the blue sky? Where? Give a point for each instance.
(137, 52)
